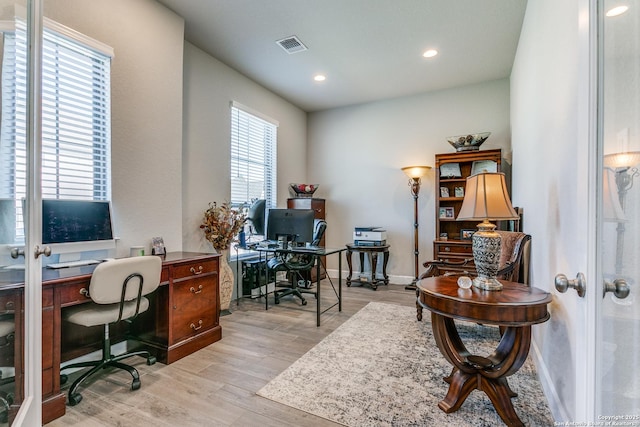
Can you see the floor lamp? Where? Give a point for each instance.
(625, 171)
(415, 173)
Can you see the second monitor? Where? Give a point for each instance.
(294, 225)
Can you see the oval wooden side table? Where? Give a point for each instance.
(515, 308)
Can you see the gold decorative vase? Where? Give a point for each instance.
(226, 281)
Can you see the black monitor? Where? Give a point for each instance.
(257, 217)
(77, 225)
(296, 225)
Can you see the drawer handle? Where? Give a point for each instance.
(84, 292)
(198, 271)
(193, 290)
(194, 327)
(447, 249)
(9, 306)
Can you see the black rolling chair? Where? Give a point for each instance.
(298, 266)
(117, 291)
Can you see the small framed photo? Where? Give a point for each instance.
(446, 213)
(157, 246)
(466, 234)
(458, 191)
(444, 192)
(480, 166)
(450, 170)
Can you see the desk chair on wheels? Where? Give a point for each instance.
(297, 266)
(117, 290)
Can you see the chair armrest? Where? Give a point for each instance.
(440, 268)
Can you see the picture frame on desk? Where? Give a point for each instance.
(446, 213)
(444, 192)
(458, 192)
(157, 246)
(466, 234)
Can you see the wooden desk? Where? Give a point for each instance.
(515, 308)
(372, 252)
(184, 317)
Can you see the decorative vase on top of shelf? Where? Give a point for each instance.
(221, 224)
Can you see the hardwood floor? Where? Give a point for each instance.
(217, 385)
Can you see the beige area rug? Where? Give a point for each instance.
(383, 368)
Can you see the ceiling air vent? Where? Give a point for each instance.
(291, 45)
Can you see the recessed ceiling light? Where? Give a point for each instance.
(618, 10)
(430, 53)
(319, 77)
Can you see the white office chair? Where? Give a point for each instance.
(117, 291)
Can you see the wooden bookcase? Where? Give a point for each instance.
(455, 247)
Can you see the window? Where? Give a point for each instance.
(253, 157)
(76, 117)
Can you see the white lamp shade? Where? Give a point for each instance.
(486, 197)
(625, 159)
(416, 171)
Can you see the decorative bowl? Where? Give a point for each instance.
(303, 190)
(471, 142)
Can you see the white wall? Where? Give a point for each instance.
(550, 140)
(209, 88)
(356, 153)
(146, 111)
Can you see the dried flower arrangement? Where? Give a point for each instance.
(221, 224)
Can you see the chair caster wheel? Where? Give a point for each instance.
(304, 302)
(74, 399)
(135, 384)
(151, 360)
(63, 379)
(277, 301)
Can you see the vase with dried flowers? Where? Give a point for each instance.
(221, 224)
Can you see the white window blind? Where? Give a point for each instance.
(253, 157)
(76, 120)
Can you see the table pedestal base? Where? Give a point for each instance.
(488, 374)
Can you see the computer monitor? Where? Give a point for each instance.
(256, 215)
(296, 225)
(77, 225)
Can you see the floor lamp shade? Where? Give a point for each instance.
(486, 198)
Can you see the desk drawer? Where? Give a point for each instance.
(70, 294)
(194, 269)
(194, 307)
(445, 249)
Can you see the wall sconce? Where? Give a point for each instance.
(415, 173)
(486, 198)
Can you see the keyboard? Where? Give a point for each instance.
(308, 249)
(79, 263)
(14, 267)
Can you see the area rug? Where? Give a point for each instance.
(383, 368)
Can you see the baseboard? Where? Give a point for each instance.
(558, 410)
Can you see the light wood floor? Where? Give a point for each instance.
(217, 385)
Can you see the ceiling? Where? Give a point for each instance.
(368, 49)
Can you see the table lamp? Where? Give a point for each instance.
(415, 173)
(486, 198)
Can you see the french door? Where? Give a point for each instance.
(618, 301)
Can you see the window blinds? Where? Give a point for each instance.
(253, 157)
(76, 119)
